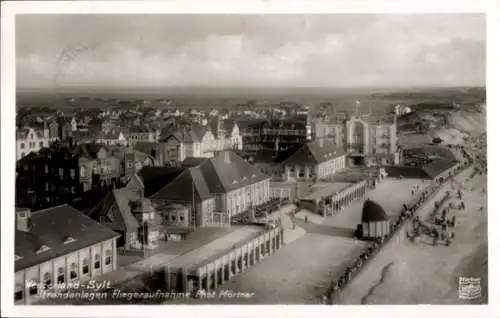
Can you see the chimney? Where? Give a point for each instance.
(23, 219)
(227, 158)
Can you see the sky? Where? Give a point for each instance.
(331, 50)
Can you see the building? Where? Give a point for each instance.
(204, 269)
(99, 167)
(29, 139)
(313, 160)
(190, 141)
(141, 134)
(374, 221)
(227, 134)
(263, 134)
(216, 190)
(132, 216)
(79, 250)
(49, 177)
(372, 141)
(111, 138)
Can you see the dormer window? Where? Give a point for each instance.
(68, 239)
(234, 181)
(42, 249)
(253, 176)
(244, 178)
(18, 257)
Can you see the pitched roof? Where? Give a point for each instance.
(51, 227)
(186, 185)
(227, 172)
(221, 174)
(125, 220)
(315, 152)
(372, 212)
(192, 161)
(155, 178)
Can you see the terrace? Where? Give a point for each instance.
(217, 248)
(258, 212)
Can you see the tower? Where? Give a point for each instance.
(309, 123)
(129, 161)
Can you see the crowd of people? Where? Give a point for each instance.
(407, 212)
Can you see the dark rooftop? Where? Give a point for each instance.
(50, 228)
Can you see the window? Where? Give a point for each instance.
(22, 145)
(60, 275)
(61, 172)
(72, 173)
(31, 136)
(42, 249)
(68, 239)
(33, 290)
(97, 261)
(83, 172)
(41, 144)
(18, 295)
(22, 154)
(46, 169)
(174, 218)
(85, 266)
(181, 218)
(107, 260)
(47, 280)
(46, 186)
(73, 271)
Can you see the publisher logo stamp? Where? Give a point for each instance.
(469, 287)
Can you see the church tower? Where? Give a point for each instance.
(309, 125)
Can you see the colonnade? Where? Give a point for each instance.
(342, 199)
(209, 276)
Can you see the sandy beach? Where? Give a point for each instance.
(419, 273)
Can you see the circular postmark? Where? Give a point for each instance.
(68, 56)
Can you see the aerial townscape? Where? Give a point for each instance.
(245, 195)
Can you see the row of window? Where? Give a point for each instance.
(31, 145)
(61, 275)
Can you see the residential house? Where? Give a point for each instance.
(313, 160)
(78, 250)
(136, 134)
(191, 141)
(128, 213)
(29, 139)
(98, 166)
(112, 138)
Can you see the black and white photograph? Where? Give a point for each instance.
(247, 159)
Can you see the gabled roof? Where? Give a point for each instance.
(315, 152)
(50, 227)
(192, 161)
(190, 183)
(221, 174)
(88, 150)
(155, 178)
(224, 176)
